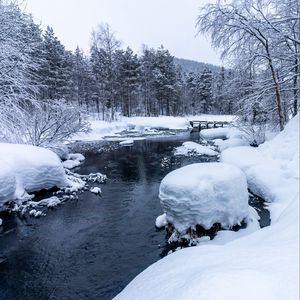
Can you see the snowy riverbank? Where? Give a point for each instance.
(143, 125)
(264, 264)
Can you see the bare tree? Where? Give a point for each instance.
(249, 31)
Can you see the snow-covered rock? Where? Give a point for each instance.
(49, 202)
(25, 169)
(74, 160)
(230, 143)
(204, 194)
(215, 133)
(96, 190)
(227, 137)
(36, 213)
(161, 221)
(192, 148)
(127, 142)
(8, 182)
(76, 156)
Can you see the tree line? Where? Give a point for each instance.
(46, 91)
(260, 39)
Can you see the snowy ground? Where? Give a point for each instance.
(143, 125)
(25, 169)
(249, 264)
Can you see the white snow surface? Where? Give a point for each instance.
(49, 202)
(226, 137)
(100, 129)
(25, 168)
(127, 142)
(161, 221)
(74, 160)
(192, 148)
(215, 133)
(264, 264)
(204, 194)
(96, 190)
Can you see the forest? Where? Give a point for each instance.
(46, 91)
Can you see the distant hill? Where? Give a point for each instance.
(188, 66)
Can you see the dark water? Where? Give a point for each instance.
(92, 248)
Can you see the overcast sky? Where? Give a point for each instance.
(135, 22)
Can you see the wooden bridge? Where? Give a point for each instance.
(197, 126)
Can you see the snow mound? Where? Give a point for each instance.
(225, 137)
(25, 169)
(204, 194)
(215, 133)
(74, 160)
(161, 221)
(128, 142)
(230, 143)
(192, 148)
(96, 190)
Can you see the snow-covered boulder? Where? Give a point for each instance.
(128, 142)
(192, 148)
(26, 168)
(215, 133)
(161, 221)
(227, 137)
(73, 160)
(8, 182)
(204, 194)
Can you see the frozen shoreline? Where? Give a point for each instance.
(142, 126)
(259, 264)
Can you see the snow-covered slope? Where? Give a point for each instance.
(261, 265)
(25, 168)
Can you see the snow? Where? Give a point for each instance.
(25, 169)
(96, 190)
(192, 148)
(73, 160)
(227, 137)
(161, 221)
(35, 213)
(127, 142)
(143, 125)
(49, 202)
(215, 133)
(210, 193)
(263, 264)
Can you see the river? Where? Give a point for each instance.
(91, 248)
